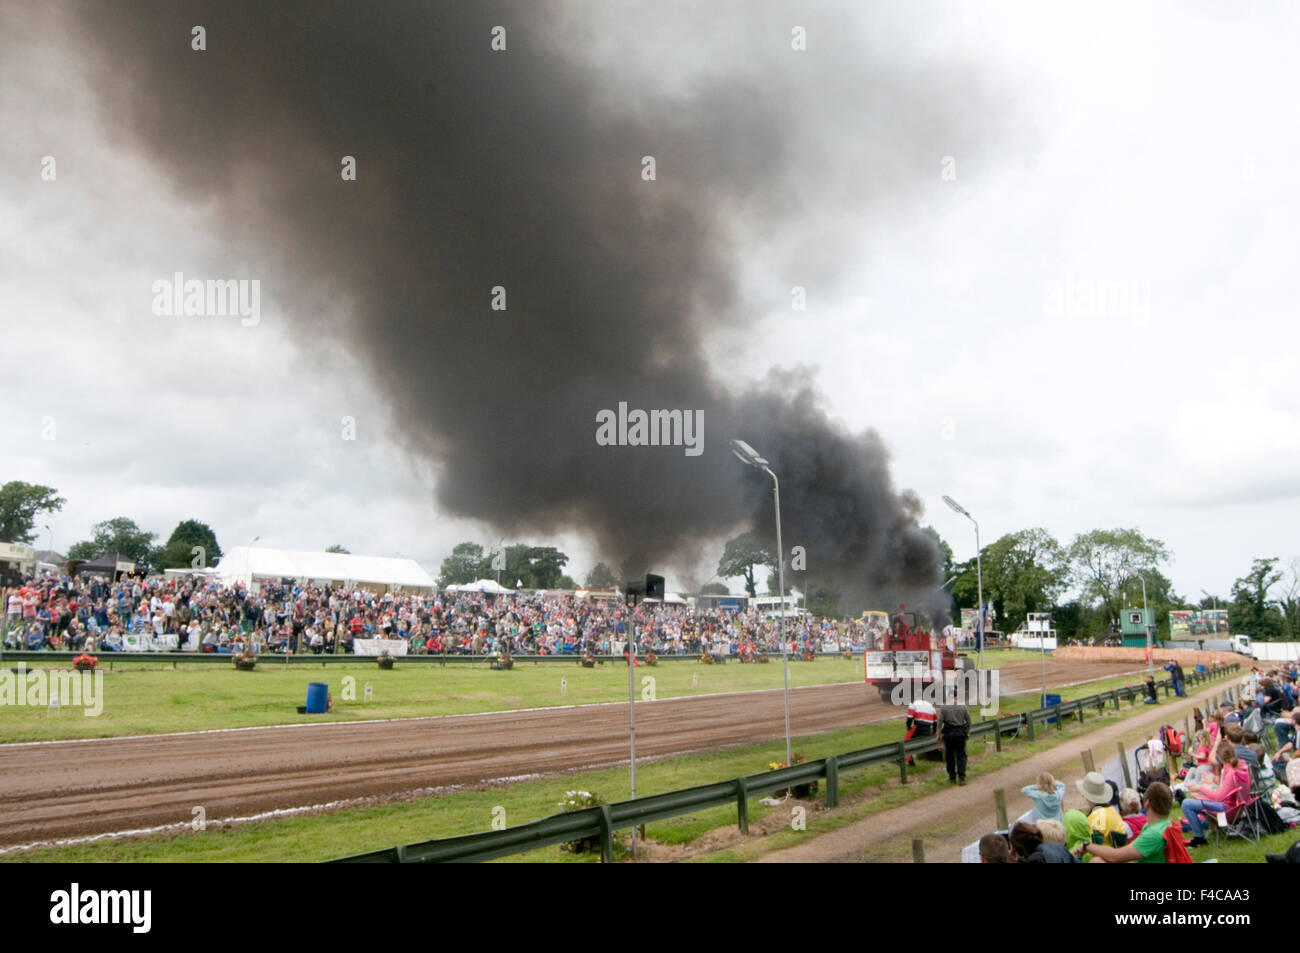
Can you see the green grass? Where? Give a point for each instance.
(321, 837)
(149, 698)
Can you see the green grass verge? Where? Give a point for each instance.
(149, 698)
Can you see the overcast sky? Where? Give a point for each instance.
(1140, 151)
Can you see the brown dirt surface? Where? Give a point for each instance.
(66, 789)
(1188, 658)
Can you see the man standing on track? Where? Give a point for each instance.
(954, 729)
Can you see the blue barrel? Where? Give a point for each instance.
(317, 697)
(1050, 701)
(1201, 669)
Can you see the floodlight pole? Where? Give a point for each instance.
(780, 576)
(979, 574)
(749, 456)
(1146, 621)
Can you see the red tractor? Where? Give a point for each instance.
(903, 651)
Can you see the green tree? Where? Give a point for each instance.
(547, 565)
(336, 548)
(1289, 600)
(741, 554)
(601, 577)
(461, 566)
(567, 582)
(1101, 561)
(1024, 572)
(1254, 613)
(714, 589)
(178, 553)
(119, 535)
(19, 504)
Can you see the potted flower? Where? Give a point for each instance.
(244, 661)
(764, 657)
(385, 660)
(706, 658)
(85, 663)
(578, 801)
(589, 660)
(800, 791)
(502, 662)
(651, 659)
(848, 654)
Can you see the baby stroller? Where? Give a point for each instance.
(1150, 759)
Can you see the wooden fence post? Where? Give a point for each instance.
(742, 805)
(1123, 763)
(902, 762)
(832, 781)
(918, 850)
(1088, 766)
(1000, 808)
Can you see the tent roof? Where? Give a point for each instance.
(481, 585)
(244, 561)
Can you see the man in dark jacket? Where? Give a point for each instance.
(954, 729)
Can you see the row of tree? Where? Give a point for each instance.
(521, 565)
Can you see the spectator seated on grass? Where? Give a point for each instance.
(1130, 811)
(1237, 736)
(1152, 845)
(1107, 825)
(1228, 798)
(1077, 831)
(994, 849)
(1053, 831)
(1028, 847)
(1047, 796)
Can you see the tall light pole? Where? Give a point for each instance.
(1146, 621)
(750, 457)
(979, 574)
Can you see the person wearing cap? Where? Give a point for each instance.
(1107, 825)
(954, 724)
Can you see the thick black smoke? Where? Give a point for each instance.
(522, 169)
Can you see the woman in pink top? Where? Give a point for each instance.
(1228, 798)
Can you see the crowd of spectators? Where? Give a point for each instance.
(88, 614)
(1237, 753)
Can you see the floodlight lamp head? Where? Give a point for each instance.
(746, 454)
(953, 504)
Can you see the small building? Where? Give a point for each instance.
(1134, 625)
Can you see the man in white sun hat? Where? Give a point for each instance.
(1107, 826)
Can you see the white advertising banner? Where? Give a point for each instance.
(880, 664)
(379, 646)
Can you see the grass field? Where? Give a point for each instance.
(148, 698)
(323, 836)
(153, 697)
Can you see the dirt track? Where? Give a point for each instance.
(65, 789)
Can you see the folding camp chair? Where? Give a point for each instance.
(1249, 823)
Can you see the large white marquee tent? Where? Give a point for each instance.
(248, 563)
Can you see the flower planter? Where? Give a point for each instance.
(385, 661)
(245, 664)
(588, 663)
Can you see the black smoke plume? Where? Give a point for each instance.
(523, 169)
